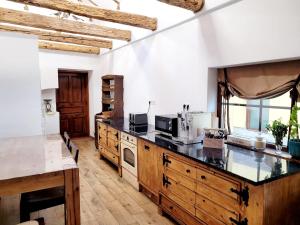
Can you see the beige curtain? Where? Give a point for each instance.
(260, 81)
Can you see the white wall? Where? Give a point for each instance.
(50, 63)
(176, 66)
(20, 87)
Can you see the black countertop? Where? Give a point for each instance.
(254, 167)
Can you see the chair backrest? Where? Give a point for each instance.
(67, 139)
(74, 151)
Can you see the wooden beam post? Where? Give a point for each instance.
(68, 47)
(59, 37)
(64, 25)
(95, 12)
(193, 5)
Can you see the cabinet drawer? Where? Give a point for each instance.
(103, 140)
(217, 182)
(177, 212)
(110, 156)
(186, 206)
(112, 133)
(180, 179)
(102, 127)
(187, 196)
(113, 146)
(215, 210)
(208, 219)
(180, 166)
(218, 197)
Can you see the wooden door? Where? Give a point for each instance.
(72, 103)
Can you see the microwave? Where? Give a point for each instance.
(138, 118)
(168, 124)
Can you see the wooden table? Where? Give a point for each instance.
(39, 162)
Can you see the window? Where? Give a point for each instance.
(248, 117)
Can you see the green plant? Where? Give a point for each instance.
(278, 130)
(294, 125)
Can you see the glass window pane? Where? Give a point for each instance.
(253, 102)
(237, 100)
(269, 115)
(244, 117)
(283, 101)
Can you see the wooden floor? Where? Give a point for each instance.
(106, 199)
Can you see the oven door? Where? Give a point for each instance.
(129, 157)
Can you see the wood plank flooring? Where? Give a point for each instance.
(106, 199)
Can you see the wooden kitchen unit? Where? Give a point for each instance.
(109, 145)
(210, 186)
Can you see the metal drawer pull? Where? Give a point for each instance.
(166, 181)
(244, 194)
(203, 177)
(171, 207)
(165, 160)
(116, 146)
(188, 171)
(242, 222)
(117, 135)
(147, 147)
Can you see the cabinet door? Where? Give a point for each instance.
(148, 157)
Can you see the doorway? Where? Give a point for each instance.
(72, 102)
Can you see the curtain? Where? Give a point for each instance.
(268, 80)
(260, 81)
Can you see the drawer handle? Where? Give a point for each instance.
(242, 222)
(244, 194)
(188, 171)
(116, 146)
(166, 181)
(171, 207)
(203, 177)
(117, 135)
(166, 160)
(146, 147)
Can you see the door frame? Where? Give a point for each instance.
(86, 84)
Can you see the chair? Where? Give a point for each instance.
(74, 151)
(39, 221)
(67, 139)
(47, 198)
(32, 222)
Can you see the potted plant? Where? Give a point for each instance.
(279, 131)
(294, 142)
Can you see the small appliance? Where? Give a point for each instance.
(167, 124)
(138, 118)
(139, 129)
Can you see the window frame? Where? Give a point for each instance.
(221, 103)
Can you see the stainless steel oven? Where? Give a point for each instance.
(129, 158)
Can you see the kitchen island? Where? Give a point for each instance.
(197, 185)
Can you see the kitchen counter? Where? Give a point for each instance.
(254, 167)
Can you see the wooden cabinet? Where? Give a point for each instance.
(203, 194)
(112, 96)
(148, 173)
(109, 145)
